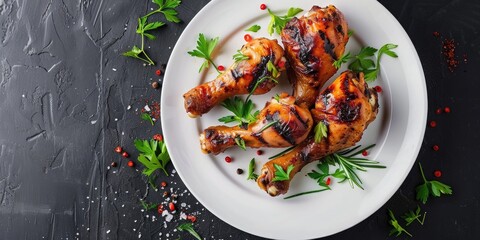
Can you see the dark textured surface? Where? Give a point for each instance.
(64, 97)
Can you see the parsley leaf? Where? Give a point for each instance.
(204, 50)
(167, 8)
(280, 174)
(320, 132)
(350, 32)
(189, 228)
(433, 188)
(142, 28)
(253, 28)
(147, 117)
(411, 216)
(277, 23)
(364, 63)
(343, 59)
(242, 111)
(239, 56)
(153, 155)
(397, 228)
(251, 170)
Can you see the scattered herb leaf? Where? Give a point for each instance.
(268, 125)
(280, 174)
(204, 50)
(305, 193)
(251, 170)
(277, 97)
(239, 56)
(242, 111)
(364, 63)
(343, 59)
(147, 117)
(282, 153)
(350, 32)
(411, 216)
(240, 142)
(253, 28)
(397, 228)
(277, 23)
(167, 8)
(320, 131)
(189, 228)
(153, 155)
(148, 206)
(431, 188)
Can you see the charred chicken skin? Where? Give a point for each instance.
(312, 43)
(279, 124)
(240, 78)
(346, 107)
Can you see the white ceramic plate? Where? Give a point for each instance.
(397, 131)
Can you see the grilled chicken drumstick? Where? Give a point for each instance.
(240, 78)
(346, 107)
(279, 124)
(312, 43)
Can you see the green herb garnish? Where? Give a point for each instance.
(324, 172)
(240, 142)
(411, 216)
(242, 111)
(153, 155)
(147, 117)
(320, 131)
(268, 125)
(305, 193)
(280, 174)
(364, 63)
(239, 56)
(282, 153)
(253, 28)
(349, 164)
(189, 228)
(343, 59)
(142, 29)
(277, 23)
(350, 32)
(397, 228)
(167, 8)
(431, 188)
(251, 170)
(148, 206)
(204, 50)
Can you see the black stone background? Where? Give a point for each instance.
(63, 108)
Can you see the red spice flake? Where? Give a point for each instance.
(329, 180)
(118, 149)
(131, 163)
(113, 164)
(378, 89)
(192, 218)
(171, 206)
(125, 155)
(160, 208)
(448, 50)
(438, 111)
(163, 184)
(364, 153)
(247, 37)
(259, 152)
(446, 109)
(281, 64)
(433, 124)
(158, 137)
(437, 173)
(436, 34)
(158, 72)
(228, 159)
(221, 68)
(436, 148)
(263, 6)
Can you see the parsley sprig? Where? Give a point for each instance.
(277, 23)
(324, 172)
(242, 111)
(147, 117)
(153, 155)
(364, 63)
(189, 228)
(204, 50)
(343, 59)
(239, 56)
(253, 28)
(412, 216)
(280, 174)
(148, 206)
(167, 8)
(431, 188)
